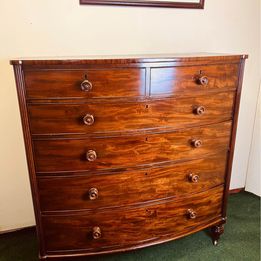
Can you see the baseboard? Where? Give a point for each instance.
(238, 190)
(18, 229)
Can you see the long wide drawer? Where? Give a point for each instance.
(107, 117)
(105, 230)
(174, 80)
(89, 83)
(97, 153)
(96, 191)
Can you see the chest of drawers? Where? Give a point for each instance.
(130, 152)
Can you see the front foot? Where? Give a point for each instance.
(216, 232)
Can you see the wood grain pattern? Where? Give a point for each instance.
(116, 117)
(120, 152)
(130, 187)
(67, 83)
(172, 80)
(126, 227)
(122, 60)
(128, 152)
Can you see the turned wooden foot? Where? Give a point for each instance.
(216, 232)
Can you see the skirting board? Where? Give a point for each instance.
(234, 191)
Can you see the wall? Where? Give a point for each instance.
(253, 179)
(62, 27)
(253, 171)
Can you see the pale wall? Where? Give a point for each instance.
(254, 169)
(62, 27)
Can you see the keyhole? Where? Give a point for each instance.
(151, 213)
(146, 106)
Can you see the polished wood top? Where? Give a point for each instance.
(122, 59)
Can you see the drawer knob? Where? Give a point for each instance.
(193, 178)
(86, 86)
(200, 110)
(96, 233)
(191, 214)
(91, 155)
(203, 80)
(196, 143)
(93, 193)
(88, 119)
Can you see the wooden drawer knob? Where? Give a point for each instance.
(88, 119)
(93, 193)
(196, 143)
(191, 214)
(200, 110)
(86, 86)
(193, 178)
(91, 155)
(96, 233)
(202, 80)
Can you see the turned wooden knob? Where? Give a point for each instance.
(96, 232)
(196, 143)
(194, 178)
(88, 119)
(202, 80)
(191, 214)
(93, 193)
(91, 155)
(199, 110)
(86, 86)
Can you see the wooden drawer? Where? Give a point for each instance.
(96, 191)
(131, 226)
(109, 117)
(67, 83)
(173, 80)
(99, 153)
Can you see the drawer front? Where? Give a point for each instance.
(106, 153)
(103, 230)
(173, 80)
(109, 117)
(96, 191)
(69, 83)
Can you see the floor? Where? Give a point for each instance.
(241, 240)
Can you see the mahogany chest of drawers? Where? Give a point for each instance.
(125, 153)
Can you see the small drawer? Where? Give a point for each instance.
(103, 230)
(97, 191)
(100, 153)
(89, 83)
(112, 117)
(176, 80)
